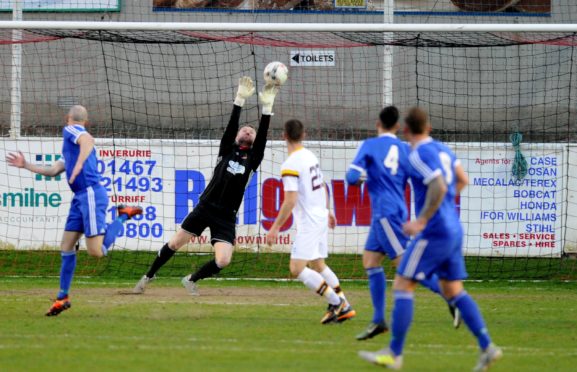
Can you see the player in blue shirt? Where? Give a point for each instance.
(383, 160)
(88, 207)
(437, 177)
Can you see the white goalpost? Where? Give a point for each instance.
(293, 27)
(159, 95)
(16, 98)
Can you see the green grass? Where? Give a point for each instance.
(132, 264)
(248, 326)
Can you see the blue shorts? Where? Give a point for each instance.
(386, 236)
(432, 255)
(88, 212)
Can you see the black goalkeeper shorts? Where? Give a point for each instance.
(203, 216)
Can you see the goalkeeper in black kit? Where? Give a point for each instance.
(240, 154)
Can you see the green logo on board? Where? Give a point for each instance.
(47, 159)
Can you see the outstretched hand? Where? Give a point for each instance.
(16, 159)
(245, 90)
(267, 96)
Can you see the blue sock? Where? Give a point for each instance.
(66, 272)
(472, 317)
(402, 318)
(112, 232)
(432, 283)
(377, 286)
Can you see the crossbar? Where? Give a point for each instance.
(288, 27)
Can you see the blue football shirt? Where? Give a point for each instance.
(384, 161)
(70, 150)
(430, 159)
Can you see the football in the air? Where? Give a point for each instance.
(275, 73)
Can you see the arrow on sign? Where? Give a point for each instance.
(296, 57)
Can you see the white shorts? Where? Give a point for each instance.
(311, 244)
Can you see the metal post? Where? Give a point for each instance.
(388, 11)
(16, 91)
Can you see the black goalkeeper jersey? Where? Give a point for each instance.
(234, 167)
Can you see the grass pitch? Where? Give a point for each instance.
(269, 326)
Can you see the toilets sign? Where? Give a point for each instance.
(302, 58)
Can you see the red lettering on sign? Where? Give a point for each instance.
(127, 199)
(351, 201)
(272, 198)
(125, 153)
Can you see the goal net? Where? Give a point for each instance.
(159, 99)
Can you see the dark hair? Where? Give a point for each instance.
(389, 116)
(417, 120)
(294, 130)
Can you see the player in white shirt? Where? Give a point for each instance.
(305, 192)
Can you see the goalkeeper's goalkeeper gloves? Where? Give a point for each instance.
(245, 90)
(266, 98)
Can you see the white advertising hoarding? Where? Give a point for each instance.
(502, 216)
(506, 216)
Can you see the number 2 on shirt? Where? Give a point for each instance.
(316, 177)
(392, 160)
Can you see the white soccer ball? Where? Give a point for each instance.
(275, 73)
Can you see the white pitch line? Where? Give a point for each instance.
(201, 302)
(412, 348)
(8, 278)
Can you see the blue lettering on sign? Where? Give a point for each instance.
(525, 216)
(538, 205)
(533, 227)
(534, 194)
(183, 194)
(548, 160)
(542, 171)
(492, 215)
(527, 182)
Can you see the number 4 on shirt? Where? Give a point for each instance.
(392, 160)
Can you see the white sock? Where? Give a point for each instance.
(332, 280)
(330, 277)
(315, 282)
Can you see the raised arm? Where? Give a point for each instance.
(244, 91)
(266, 98)
(260, 141)
(227, 140)
(17, 159)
